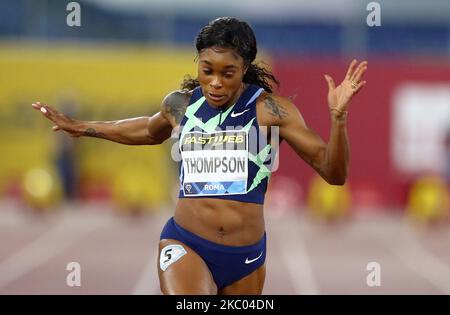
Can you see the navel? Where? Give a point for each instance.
(222, 232)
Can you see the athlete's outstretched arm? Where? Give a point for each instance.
(330, 159)
(133, 131)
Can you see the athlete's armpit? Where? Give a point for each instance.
(175, 104)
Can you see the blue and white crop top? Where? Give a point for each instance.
(224, 154)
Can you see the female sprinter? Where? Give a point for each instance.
(216, 243)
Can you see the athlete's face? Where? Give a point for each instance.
(220, 74)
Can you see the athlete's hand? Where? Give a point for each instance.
(61, 121)
(339, 97)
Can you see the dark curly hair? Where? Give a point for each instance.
(232, 33)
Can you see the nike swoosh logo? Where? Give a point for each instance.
(249, 261)
(233, 114)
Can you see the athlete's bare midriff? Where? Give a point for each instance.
(226, 222)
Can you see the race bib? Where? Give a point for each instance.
(214, 163)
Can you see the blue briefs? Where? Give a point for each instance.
(226, 263)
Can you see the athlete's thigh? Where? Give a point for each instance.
(251, 284)
(187, 275)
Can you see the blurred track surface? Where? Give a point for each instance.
(118, 253)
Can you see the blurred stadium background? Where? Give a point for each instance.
(103, 204)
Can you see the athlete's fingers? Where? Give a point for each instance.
(45, 111)
(41, 108)
(352, 77)
(351, 69)
(330, 81)
(359, 72)
(360, 85)
(37, 105)
(51, 113)
(50, 110)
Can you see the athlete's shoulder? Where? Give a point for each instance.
(175, 103)
(266, 97)
(177, 97)
(271, 108)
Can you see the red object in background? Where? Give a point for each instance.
(372, 176)
(13, 189)
(94, 189)
(284, 195)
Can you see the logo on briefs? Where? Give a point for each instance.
(233, 114)
(188, 187)
(249, 261)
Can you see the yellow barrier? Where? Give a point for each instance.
(328, 202)
(107, 83)
(428, 200)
